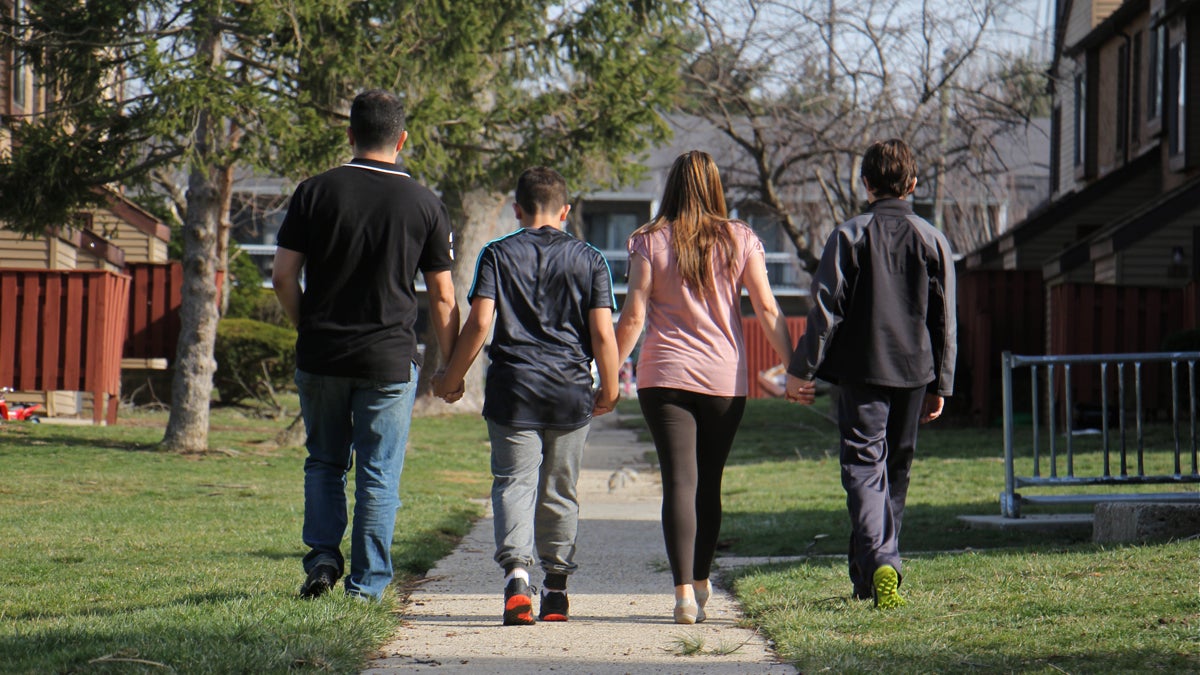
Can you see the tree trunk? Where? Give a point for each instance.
(224, 226)
(479, 216)
(191, 388)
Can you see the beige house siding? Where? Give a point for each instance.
(63, 403)
(137, 245)
(1064, 94)
(1101, 9)
(63, 255)
(1086, 15)
(1145, 263)
(17, 252)
(1083, 18)
(1106, 117)
(1105, 270)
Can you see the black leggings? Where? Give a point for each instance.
(693, 434)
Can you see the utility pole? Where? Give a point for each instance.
(939, 179)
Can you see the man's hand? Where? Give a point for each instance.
(931, 408)
(444, 391)
(800, 391)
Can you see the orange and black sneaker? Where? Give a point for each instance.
(518, 605)
(554, 607)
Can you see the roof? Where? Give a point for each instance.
(1132, 228)
(135, 215)
(1108, 28)
(1096, 198)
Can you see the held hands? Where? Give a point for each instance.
(800, 391)
(604, 404)
(443, 390)
(931, 408)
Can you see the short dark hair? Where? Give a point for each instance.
(377, 120)
(889, 167)
(541, 189)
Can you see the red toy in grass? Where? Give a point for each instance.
(20, 412)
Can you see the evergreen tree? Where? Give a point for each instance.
(147, 89)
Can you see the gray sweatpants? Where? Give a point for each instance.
(879, 437)
(534, 500)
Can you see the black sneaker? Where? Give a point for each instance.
(554, 606)
(518, 603)
(320, 579)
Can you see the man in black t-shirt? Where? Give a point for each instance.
(359, 234)
(552, 298)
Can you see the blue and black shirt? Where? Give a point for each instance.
(545, 284)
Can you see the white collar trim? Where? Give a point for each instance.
(375, 168)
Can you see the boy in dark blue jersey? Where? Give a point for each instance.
(552, 298)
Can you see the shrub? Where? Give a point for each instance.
(1183, 341)
(255, 361)
(247, 297)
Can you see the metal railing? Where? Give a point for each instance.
(783, 269)
(1131, 464)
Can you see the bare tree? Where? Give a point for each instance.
(800, 87)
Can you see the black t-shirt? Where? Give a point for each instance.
(544, 283)
(365, 229)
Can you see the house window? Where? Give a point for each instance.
(1176, 107)
(1135, 110)
(768, 229)
(1122, 98)
(608, 226)
(609, 231)
(1154, 72)
(20, 74)
(85, 220)
(1080, 117)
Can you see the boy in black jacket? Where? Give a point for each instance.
(882, 327)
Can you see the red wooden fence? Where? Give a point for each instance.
(154, 300)
(1095, 319)
(759, 354)
(63, 330)
(998, 311)
(1191, 305)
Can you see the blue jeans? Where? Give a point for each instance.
(347, 416)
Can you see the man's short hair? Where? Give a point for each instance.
(541, 189)
(889, 167)
(377, 120)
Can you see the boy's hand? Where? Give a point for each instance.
(442, 390)
(931, 408)
(604, 404)
(800, 391)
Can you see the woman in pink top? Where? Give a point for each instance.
(687, 269)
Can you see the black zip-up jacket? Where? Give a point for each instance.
(883, 304)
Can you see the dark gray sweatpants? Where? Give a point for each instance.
(879, 436)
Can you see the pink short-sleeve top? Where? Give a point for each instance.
(694, 342)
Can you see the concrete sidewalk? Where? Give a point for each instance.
(621, 597)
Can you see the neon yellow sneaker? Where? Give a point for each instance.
(887, 584)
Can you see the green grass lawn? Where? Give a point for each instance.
(981, 600)
(123, 559)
